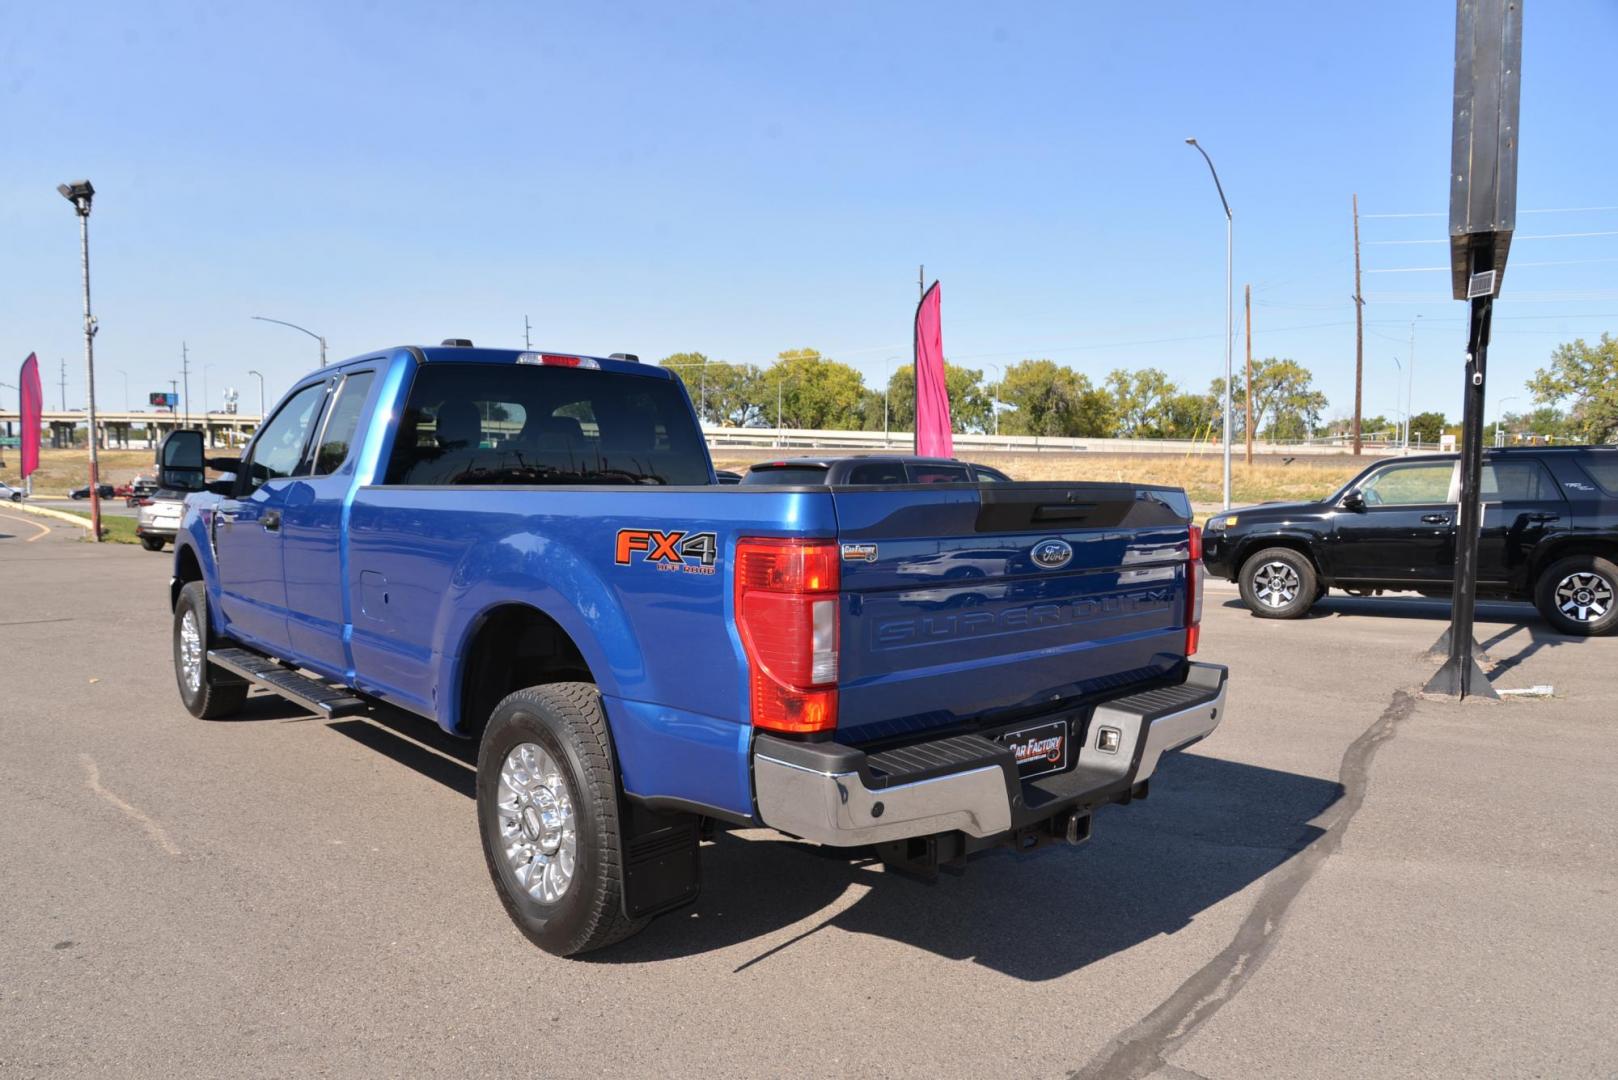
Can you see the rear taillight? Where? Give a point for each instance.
(1194, 574)
(786, 614)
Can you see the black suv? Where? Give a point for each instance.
(1549, 535)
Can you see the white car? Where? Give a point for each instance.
(159, 518)
(9, 493)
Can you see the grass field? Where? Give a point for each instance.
(1268, 478)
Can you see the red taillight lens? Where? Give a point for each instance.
(786, 614)
(1194, 574)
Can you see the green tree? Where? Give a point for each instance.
(1426, 426)
(724, 394)
(1545, 422)
(1141, 402)
(970, 407)
(1046, 398)
(1285, 403)
(814, 391)
(1586, 376)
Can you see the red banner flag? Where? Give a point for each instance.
(31, 406)
(934, 436)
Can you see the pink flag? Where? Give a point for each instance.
(32, 404)
(933, 433)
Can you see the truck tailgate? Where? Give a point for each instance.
(995, 602)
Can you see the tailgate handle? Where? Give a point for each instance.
(1063, 511)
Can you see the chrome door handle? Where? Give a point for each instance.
(1435, 519)
(227, 516)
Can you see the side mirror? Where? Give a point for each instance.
(1354, 501)
(180, 462)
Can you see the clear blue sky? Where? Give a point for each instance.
(742, 179)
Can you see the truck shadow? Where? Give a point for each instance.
(1210, 830)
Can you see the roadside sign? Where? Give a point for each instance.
(163, 399)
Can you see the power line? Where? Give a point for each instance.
(1515, 266)
(1550, 210)
(1541, 236)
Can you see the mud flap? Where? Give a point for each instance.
(661, 869)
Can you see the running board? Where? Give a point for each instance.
(312, 694)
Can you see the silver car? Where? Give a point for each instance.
(9, 493)
(159, 518)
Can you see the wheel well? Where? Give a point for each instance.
(512, 647)
(1567, 548)
(186, 570)
(1260, 543)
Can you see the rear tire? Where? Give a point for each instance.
(152, 543)
(208, 692)
(1579, 595)
(1278, 583)
(547, 794)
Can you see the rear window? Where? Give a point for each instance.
(938, 474)
(789, 476)
(527, 424)
(878, 472)
(1603, 469)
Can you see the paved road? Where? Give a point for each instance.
(82, 506)
(1343, 881)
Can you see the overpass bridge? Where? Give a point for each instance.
(115, 429)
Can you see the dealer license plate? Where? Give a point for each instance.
(1038, 750)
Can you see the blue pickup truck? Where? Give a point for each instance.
(531, 549)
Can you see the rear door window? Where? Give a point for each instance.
(534, 425)
(878, 472)
(938, 474)
(1518, 481)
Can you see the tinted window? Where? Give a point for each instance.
(938, 474)
(878, 472)
(1603, 469)
(1409, 485)
(279, 447)
(987, 475)
(1518, 481)
(528, 424)
(791, 477)
(341, 423)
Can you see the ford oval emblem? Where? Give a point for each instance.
(1052, 554)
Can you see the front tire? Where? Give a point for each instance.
(1579, 595)
(547, 794)
(1279, 583)
(208, 692)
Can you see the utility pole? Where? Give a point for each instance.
(1359, 331)
(174, 410)
(64, 386)
(921, 280)
(185, 374)
(526, 327)
(1247, 424)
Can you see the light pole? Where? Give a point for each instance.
(887, 383)
(1230, 229)
(79, 193)
(295, 326)
(260, 397)
(994, 396)
(1410, 395)
(1398, 426)
(1499, 410)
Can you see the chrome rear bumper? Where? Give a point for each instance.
(839, 796)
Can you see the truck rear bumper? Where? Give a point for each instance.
(840, 796)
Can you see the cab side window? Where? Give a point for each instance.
(279, 447)
(341, 422)
(1416, 484)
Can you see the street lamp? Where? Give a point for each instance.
(1410, 396)
(994, 396)
(1499, 410)
(260, 397)
(125, 374)
(295, 326)
(79, 193)
(1229, 305)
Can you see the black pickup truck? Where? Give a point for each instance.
(1549, 535)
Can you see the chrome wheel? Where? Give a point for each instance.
(536, 819)
(1584, 597)
(1276, 584)
(191, 651)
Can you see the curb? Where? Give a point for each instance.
(45, 511)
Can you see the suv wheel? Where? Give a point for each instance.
(1278, 583)
(1577, 595)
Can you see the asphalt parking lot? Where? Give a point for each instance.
(1345, 880)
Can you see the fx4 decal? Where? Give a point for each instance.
(676, 551)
